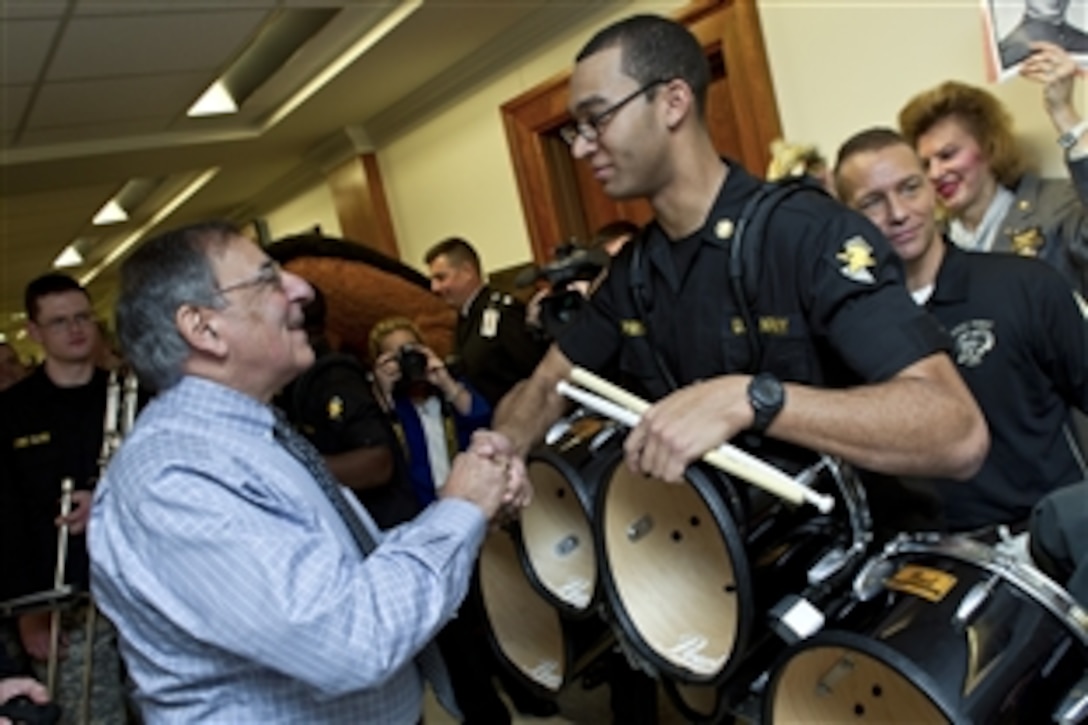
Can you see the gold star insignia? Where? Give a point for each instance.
(335, 407)
(857, 259)
(1028, 242)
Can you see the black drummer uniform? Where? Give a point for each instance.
(333, 407)
(495, 348)
(47, 433)
(1021, 345)
(830, 305)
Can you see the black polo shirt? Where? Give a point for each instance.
(1021, 345)
(332, 404)
(830, 302)
(47, 433)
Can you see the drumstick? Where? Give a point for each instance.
(726, 457)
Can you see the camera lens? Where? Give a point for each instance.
(413, 365)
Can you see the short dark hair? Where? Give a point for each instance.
(458, 250)
(163, 274)
(48, 284)
(654, 48)
(871, 139)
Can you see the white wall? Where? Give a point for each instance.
(312, 207)
(838, 66)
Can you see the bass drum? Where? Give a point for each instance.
(689, 571)
(942, 630)
(539, 647)
(556, 528)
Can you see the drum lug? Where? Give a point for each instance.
(869, 582)
(639, 528)
(795, 618)
(829, 564)
(1074, 707)
(973, 600)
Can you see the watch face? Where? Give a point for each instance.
(766, 391)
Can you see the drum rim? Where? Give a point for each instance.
(870, 647)
(1031, 581)
(629, 634)
(587, 499)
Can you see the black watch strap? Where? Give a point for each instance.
(767, 397)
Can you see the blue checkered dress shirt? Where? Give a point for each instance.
(238, 592)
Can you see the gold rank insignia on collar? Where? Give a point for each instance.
(632, 328)
(857, 259)
(1028, 242)
(335, 407)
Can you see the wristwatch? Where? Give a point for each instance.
(1070, 138)
(766, 396)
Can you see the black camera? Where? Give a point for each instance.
(413, 365)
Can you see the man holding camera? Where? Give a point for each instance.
(332, 405)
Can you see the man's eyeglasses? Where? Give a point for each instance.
(590, 127)
(270, 275)
(60, 324)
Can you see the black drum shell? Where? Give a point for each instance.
(556, 539)
(767, 545)
(536, 644)
(1011, 662)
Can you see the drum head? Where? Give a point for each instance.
(840, 684)
(525, 628)
(557, 537)
(671, 576)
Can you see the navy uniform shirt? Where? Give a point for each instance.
(495, 349)
(831, 306)
(332, 404)
(47, 433)
(1021, 346)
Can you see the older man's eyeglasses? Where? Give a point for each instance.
(270, 275)
(591, 126)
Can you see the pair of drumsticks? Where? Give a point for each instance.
(625, 408)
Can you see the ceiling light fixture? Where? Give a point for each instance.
(387, 25)
(216, 101)
(110, 213)
(164, 211)
(69, 257)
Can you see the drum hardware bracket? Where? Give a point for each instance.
(870, 580)
(566, 545)
(973, 600)
(1074, 706)
(640, 527)
(795, 618)
(829, 564)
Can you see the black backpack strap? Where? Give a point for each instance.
(641, 296)
(744, 253)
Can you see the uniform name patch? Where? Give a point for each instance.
(632, 328)
(35, 439)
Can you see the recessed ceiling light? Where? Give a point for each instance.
(110, 213)
(69, 257)
(216, 101)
